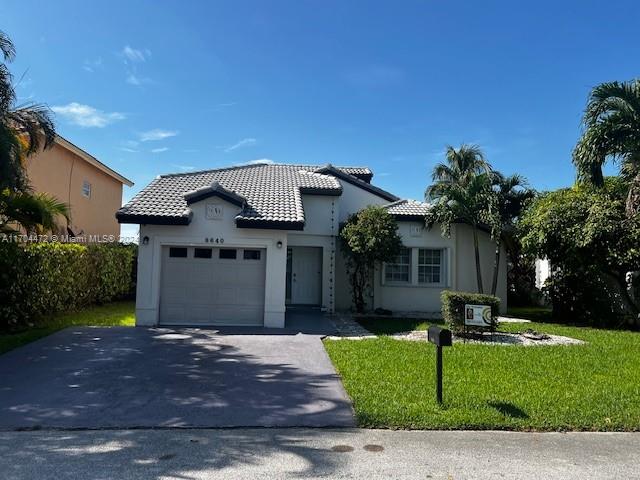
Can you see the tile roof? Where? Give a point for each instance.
(408, 209)
(271, 194)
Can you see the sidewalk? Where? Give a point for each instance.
(316, 453)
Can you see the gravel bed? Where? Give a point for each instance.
(498, 338)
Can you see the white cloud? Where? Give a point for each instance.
(245, 142)
(184, 168)
(92, 65)
(87, 116)
(156, 134)
(261, 161)
(137, 80)
(159, 150)
(135, 55)
(222, 106)
(127, 149)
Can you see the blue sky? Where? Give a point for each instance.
(164, 86)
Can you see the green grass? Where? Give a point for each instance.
(536, 314)
(583, 387)
(112, 314)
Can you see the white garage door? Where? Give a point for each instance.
(212, 286)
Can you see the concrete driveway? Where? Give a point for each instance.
(133, 377)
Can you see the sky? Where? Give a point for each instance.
(153, 87)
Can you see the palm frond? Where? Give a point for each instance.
(7, 48)
(34, 212)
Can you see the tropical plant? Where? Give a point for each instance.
(592, 244)
(24, 130)
(511, 195)
(462, 192)
(612, 132)
(36, 213)
(368, 238)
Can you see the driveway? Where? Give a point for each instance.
(134, 377)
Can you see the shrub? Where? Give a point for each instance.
(453, 307)
(368, 237)
(45, 278)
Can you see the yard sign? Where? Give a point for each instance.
(477, 316)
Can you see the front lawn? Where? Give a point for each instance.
(112, 314)
(582, 387)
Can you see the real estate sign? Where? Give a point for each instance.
(477, 315)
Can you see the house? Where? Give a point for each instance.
(91, 188)
(239, 245)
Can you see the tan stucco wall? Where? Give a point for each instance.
(61, 173)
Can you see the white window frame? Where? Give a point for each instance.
(86, 188)
(442, 266)
(394, 264)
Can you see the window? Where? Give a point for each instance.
(399, 270)
(430, 263)
(228, 253)
(86, 189)
(251, 254)
(178, 252)
(202, 253)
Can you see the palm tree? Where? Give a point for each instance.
(511, 195)
(24, 130)
(612, 132)
(35, 213)
(461, 192)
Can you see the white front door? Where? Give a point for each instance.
(306, 275)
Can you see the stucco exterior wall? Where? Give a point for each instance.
(61, 173)
(466, 264)
(460, 269)
(354, 199)
(414, 296)
(196, 234)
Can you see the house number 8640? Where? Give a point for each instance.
(214, 240)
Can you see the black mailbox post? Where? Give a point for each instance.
(440, 337)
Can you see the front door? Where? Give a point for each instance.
(304, 275)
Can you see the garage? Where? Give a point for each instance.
(212, 286)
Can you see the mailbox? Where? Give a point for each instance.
(439, 336)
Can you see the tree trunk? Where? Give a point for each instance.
(477, 252)
(633, 197)
(621, 281)
(496, 269)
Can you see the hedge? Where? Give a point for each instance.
(453, 303)
(39, 279)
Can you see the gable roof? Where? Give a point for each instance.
(408, 210)
(269, 195)
(90, 159)
(342, 174)
(214, 190)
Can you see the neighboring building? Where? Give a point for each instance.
(93, 190)
(543, 272)
(238, 245)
